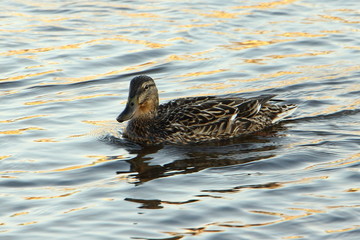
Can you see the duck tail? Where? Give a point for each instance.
(286, 110)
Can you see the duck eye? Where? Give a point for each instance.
(146, 87)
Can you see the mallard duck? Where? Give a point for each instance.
(194, 119)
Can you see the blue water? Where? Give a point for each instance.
(66, 172)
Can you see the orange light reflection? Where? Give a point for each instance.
(20, 131)
(268, 4)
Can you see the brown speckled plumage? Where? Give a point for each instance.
(194, 119)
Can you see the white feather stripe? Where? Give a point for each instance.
(284, 114)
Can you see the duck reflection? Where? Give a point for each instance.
(156, 203)
(152, 162)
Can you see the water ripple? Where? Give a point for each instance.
(66, 171)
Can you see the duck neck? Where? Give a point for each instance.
(142, 126)
(148, 116)
(147, 110)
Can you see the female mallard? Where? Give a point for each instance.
(194, 119)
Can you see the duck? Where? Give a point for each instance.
(192, 120)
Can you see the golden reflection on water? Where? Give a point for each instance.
(8, 92)
(293, 237)
(98, 123)
(284, 217)
(339, 19)
(20, 131)
(354, 47)
(196, 25)
(8, 177)
(19, 214)
(78, 209)
(313, 74)
(77, 135)
(201, 73)
(186, 57)
(120, 38)
(352, 159)
(45, 140)
(271, 185)
(195, 56)
(320, 196)
(300, 34)
(216, 14)
(265, 5)
(67, 80)
(139, 15)
(254, 43)
(308, 210)
(23, 118)
(343, 206)
(99, 159)
(343, 230)
(13, 30)
(256, 61)
(51, 197)
(42, 65)
(353, 190)
(235, 224)
(15, 78)
(278, 74)
(13, 171)
(279, 56)
(28, 223)
(39, 17)
(212, 86)
(4, 157)
(68, 99)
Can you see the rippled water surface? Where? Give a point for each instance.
(66, 173)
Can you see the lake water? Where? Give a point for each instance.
(66, 173)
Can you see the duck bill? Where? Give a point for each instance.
(127, 114)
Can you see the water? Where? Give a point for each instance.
(67, 174)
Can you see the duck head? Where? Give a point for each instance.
(143, 99)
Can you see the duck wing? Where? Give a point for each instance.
(215, 116)
(176, 104)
